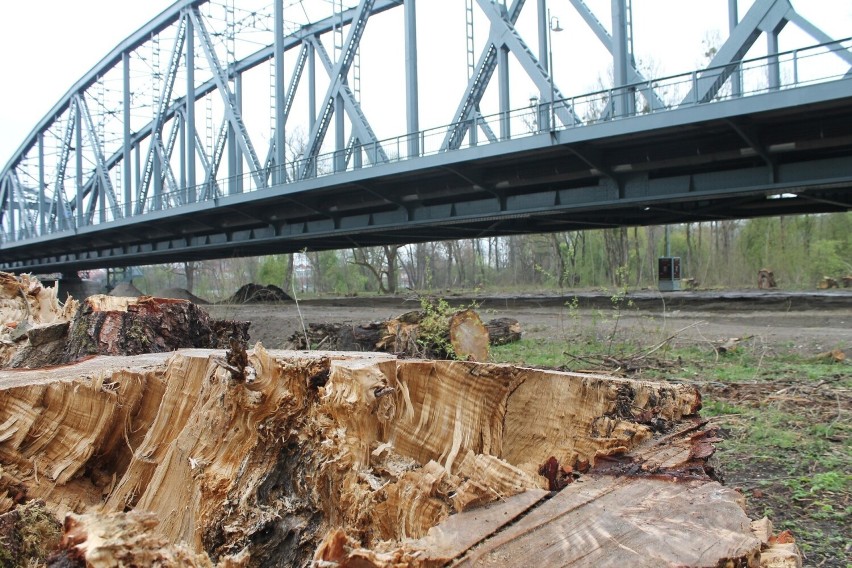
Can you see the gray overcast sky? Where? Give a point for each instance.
(47, 45)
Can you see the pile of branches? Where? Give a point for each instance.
(257, 294)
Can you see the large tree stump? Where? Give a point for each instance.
(39, 333)
(366, 460)
(109, 325)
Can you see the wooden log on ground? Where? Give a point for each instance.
(366, 460)
(456, 335)
(503, 330)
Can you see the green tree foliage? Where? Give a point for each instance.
(800, 250)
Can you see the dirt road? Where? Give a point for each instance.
(805, 323)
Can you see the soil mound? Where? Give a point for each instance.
(257, 294)
(126, 290)
(181, 294)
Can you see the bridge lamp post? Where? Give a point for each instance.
(552, 26)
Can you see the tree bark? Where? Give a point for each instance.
(503, 330)
(458, 335)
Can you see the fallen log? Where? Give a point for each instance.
(455, 335)
(366, 460)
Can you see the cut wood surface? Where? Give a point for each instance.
(31, 315)
(458, 335)
(364, 459)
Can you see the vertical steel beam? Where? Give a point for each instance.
(280, 81)
(340, 135)
(10, 212)
(503, 79)
(543, 25)
(232, 160)
(412, 111)
(78, 156)
(157, 173)
(42, 224)
(312, 86)
(773, 69)
(138, 170)
(238, 155)
(544, 95)
(182, 151)
(733, 20)
(126, 148)
(622, 100)
(189, 127)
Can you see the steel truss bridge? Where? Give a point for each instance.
(221, 130)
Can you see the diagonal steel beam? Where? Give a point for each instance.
(289, 97)
(634, 75)
(232, 112)
(360, 126)
(27, 227)
(160, 118)
(216, 158)
(503, 32)
(476, 86)
(338, 78)
(819, 35)
(100, 164)
(60, 209)
(764, 15)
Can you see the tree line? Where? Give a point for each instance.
(800, 250)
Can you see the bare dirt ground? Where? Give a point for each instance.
(805, 324)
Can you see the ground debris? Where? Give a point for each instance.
(256, 294)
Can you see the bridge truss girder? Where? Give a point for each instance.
(80, 172)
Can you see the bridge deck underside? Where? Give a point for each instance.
(790, 160)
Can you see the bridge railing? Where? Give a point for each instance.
(795, 68)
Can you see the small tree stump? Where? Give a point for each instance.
(503, 330)
(765, 279)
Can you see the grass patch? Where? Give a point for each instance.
(785, 419)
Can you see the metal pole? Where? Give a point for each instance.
(190, 111)
(411, 95)
(544, 55)
(773, 69)
(339, 138)
(78, 132)
(238, 154)
(312, 87)
(128, 169)
(503, 76)
(736, 76)
(280, 81)
(620, 59)
(552, 115)
(41, 219)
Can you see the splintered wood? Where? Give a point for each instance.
(359, 459)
